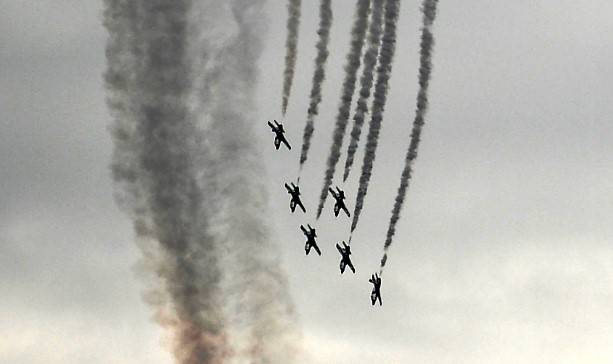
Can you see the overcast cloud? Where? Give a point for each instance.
(502, 255)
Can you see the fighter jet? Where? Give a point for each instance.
(376, 290)
(279, 137)
(310, 243)
(339, 196)
(345, 260)
(294, 191)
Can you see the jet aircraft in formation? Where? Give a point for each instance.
(310, 243)
(376, 290)
(345, 251)
(294, 191)
(310, 232)
(279, 135)
(339, 196)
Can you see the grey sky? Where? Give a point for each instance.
(503, 253)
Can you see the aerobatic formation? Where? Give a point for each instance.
(374, 25)
(181, 79)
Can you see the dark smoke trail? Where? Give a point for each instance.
(366, 81)
(358, 33)
(325, 22)
(388, 47)
(149, 81)
(291, 46)
(171, 177)
(425, 68)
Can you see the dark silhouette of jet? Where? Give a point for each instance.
(339, 196)
(294, 191)
(345, 260)
(376, 290)
(279, 137)
(310, 243)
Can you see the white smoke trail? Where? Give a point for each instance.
(257, 288)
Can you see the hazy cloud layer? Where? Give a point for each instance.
(505, 237)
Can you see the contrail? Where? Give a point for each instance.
(425, 69)
(358, 34)
(325, 22)
(366, 81)
(291, 50)
(172, 176)
(388, 47)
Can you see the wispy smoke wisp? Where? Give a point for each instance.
(257, 287)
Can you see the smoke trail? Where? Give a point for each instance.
(388, 47)
(257, 290)
(425, 68)
(358, 33)
(168, 172)
(325, 22)
(148, 77)
(291, 46)
(366, 81)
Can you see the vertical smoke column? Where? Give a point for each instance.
(195, 197)
(256, 289)
(148, 77)
(358, 34)
(425, 69)
(325, 22)
(388, 48)
(291, 50)
(366, 81)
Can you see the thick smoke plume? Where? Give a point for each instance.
(366, 81)
(358, 33)
(425, 69)
(388, 48)
(291, 50)
(148, 76)
(170, 166)
(325, 22)
(256, 288)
